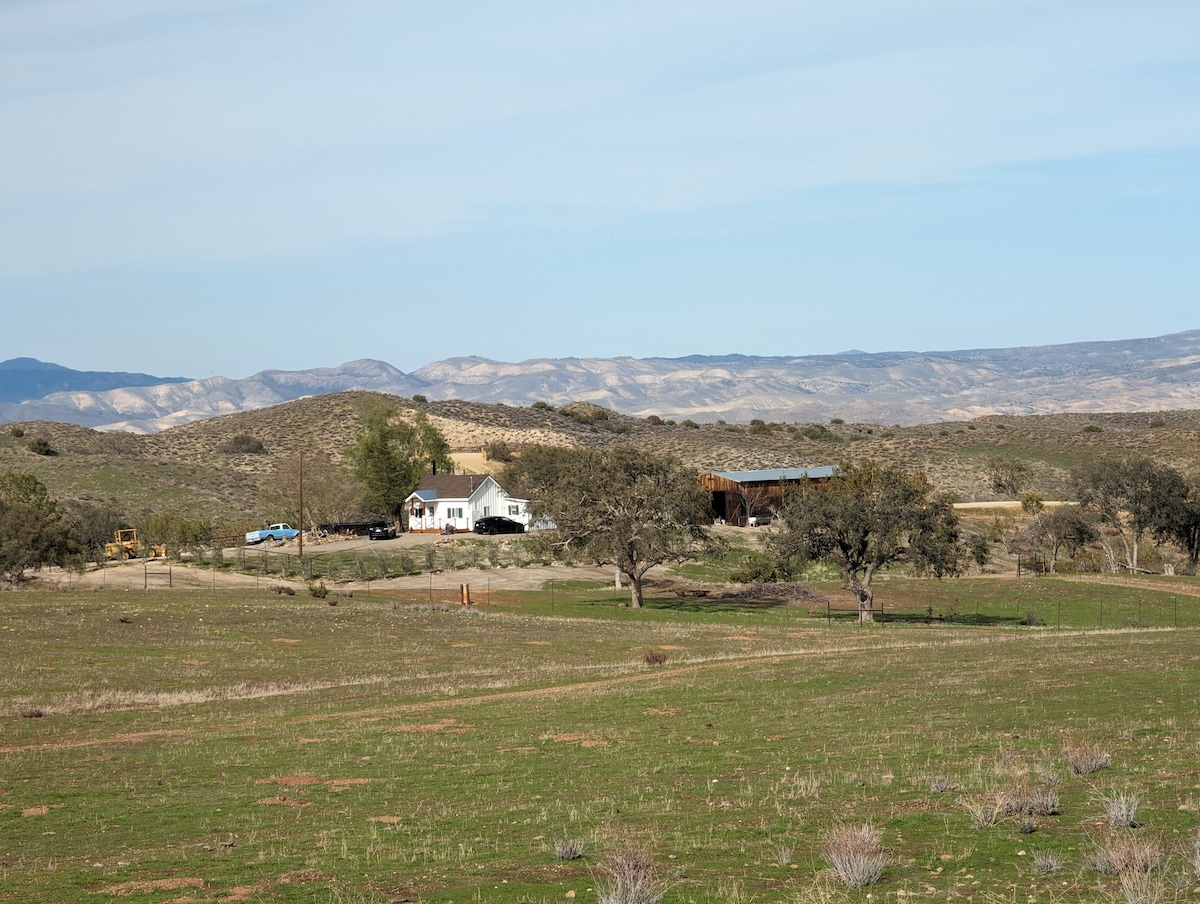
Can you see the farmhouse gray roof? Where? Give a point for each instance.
(775, 475)
(448, 486)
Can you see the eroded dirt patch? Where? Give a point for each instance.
(35, 811)
(303, 875)
(282, 801)
(581, 738)
(147, 886)
(291, 781)
(135, 737)
(387, 820)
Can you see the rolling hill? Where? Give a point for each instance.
(183, 468)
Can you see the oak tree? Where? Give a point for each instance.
(866, 517)
(623, 507)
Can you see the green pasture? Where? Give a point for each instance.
(247, 746)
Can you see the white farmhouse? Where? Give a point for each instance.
(443, 501)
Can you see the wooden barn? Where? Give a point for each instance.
(747, 498)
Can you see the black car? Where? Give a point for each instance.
(382, 532)
(498, 524)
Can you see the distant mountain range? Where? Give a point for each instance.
(1155, 374)
(29, 378)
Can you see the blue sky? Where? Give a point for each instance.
(221, 186)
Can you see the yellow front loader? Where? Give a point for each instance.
(125, 545)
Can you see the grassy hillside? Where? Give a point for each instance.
(240, 746)
(182, 469)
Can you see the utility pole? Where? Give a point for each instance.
(300, 536)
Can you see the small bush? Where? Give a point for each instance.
(40, 446)
(783, 851)
(1085, 759)
(1157, 422)
(16, 431)
(1120, 808)
(1092, 428)
(318, 590)
(939, 784)
(836, 420)
(1047, 775)
(242, 443)
(689, 423)
(568, 849)
(498, 450)
(1046, 862)
(1040, 801)
(283, 589)
(1033, 620)
(815, 432)
(855, 854)
(984, 811)
(1123, 853)
(31, 712)
(629, 877)
(655, 657)
(1142, 888)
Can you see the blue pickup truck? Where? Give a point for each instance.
(274, 532)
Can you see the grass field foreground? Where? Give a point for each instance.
(242, 746)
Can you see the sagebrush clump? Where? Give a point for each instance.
(568, 849)
(1086, 758)
(855, 854)
(629, 877)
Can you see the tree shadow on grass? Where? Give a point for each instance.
(716, 605)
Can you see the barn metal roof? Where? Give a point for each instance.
(775, 475)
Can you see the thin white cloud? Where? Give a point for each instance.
(138, 131)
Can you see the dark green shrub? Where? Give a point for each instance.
(498, 450)
(242, 443)
(815, 432)
(40, 446)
